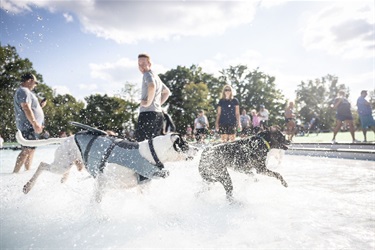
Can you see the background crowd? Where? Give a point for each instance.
(190, 90)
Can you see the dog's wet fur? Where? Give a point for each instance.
(242, 155)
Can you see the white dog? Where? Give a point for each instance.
(133, 161)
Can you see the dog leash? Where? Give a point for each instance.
(159, 164)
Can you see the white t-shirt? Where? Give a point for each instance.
(263, 115)
(201, 122)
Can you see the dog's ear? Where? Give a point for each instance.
(179, 143)
(174, 137)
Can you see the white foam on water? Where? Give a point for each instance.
(329, 204)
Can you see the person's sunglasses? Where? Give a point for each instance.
(227, 90)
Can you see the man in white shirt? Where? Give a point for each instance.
(263, 116)
(201, 126)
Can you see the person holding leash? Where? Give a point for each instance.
(228, 115)
(154, 95)
(29, 118)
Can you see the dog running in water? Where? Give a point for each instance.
(97, 151)
(243, 156)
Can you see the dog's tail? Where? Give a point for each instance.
(35, 143)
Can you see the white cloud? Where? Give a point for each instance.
(272, 3)
(15, 6)
(89, 87)
(346, 29)
(61, 90)
(68, 17)
(131, 21)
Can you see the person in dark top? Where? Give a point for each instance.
(343, 114)
(228, 115)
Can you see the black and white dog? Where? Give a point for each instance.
(98, 151)
(243, 156)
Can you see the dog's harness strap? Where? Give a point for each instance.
(159, 164)
(88, 148)
(106, 155)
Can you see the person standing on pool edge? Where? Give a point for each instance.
(29, 118)
(228, 115)
(154, 95)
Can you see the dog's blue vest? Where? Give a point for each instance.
(97, 150)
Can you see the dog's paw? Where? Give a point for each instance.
(27, 187)
(236, 203)
(162, 173)
(284, 183)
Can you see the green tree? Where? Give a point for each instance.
(61, 110)
(195, 98)
(315, 97)
(131, 94)
(180, 106)
(104, 112)
(11, 69)
(254, 88)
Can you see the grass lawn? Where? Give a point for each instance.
(341, 137)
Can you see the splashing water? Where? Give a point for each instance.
(329, 204)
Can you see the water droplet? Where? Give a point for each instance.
(40, 18)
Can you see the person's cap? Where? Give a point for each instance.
(363, 91)
(262, 106)
(29, 76)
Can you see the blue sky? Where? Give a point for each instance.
(91, 46)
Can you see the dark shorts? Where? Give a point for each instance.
(150, 125)
(201, 131)
(344, 117)
(227, 130)
(29, 135)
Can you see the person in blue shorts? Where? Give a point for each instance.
(365, 114)
(343, 114)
